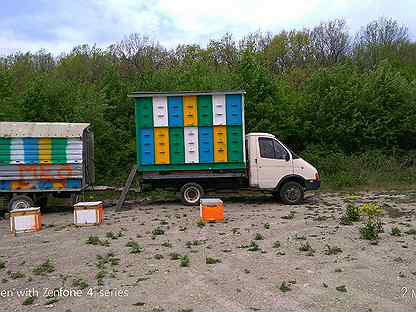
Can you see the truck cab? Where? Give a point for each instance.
(272, 166)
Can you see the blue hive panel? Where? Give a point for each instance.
(147, 149)
(234, 111)
(206, 145)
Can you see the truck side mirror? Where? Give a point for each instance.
(287, 157)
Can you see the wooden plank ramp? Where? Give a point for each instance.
(126, 188)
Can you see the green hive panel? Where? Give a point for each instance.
(235, 143)
(177, 150)
(5, 150)
(59, 147)
(144, 112)
(204, 110)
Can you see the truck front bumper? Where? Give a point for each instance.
(312, 185)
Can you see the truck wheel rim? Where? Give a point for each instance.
(292, 194)
(192, 194)
(21, 204)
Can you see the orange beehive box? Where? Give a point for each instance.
(86, 213)
(25, 220)
(211, 209)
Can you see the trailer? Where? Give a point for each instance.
(39, 159)
(195, 142)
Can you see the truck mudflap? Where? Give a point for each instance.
(311, 185)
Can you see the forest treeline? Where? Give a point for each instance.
(345, 101)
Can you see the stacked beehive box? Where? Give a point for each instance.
(190, 131)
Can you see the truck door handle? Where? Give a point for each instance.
(255, 160)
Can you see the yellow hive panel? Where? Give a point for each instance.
(190, 111)
(220, 144)
(45, 150)
(162, 146)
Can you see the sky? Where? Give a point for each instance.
(59, 25)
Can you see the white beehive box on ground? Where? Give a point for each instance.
(25, 220)
(86, 213)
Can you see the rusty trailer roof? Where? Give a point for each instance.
(42, 129)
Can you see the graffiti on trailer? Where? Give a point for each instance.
(46, 171)
(43, 177)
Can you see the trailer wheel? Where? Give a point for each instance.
(20, 202)
(291, 193)
(191, 193)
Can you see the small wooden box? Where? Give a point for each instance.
(211, 209)
(25, 220)
(86, 213)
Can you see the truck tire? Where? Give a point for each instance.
(20, 202)
(291, 193)
(191, 194)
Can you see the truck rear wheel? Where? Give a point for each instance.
(191, 194)
(20, 202)
(291, 193)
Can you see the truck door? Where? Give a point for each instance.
(273, 162)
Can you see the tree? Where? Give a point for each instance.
(380, 39)
(331, 42)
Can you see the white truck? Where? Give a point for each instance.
(271, 167)
(194, 142)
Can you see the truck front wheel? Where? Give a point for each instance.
(291, 193)
(191, 193)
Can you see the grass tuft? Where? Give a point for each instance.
(395, 231)
(184, 261)
(210, 260)
(134, 247)
(44, 268)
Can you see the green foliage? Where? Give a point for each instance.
(210, 260)
(372, 210)
(184, 261)
(276, 244)
(284, 287)
(253, 246)
(350, 112)
(332, 250)
(351, 215)
(369, 231)
(79, 283)
(135, 247)
(158, 231)
(29, 300)
(373, 226)
(395, 231)
(96, 241)
(44, 268)
(2, 264)
(259, 236)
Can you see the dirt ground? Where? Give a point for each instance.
(377, 277)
